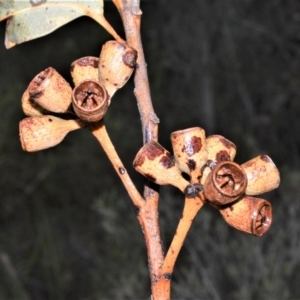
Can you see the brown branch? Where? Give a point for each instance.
(148, 215)
(190, 210)
(131, 16)
(147, 212)
(99, 131)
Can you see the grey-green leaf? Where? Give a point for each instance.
(30, 19)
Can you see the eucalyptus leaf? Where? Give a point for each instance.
(30, 19)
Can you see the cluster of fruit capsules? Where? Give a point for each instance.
(209, 164)
(49, 100)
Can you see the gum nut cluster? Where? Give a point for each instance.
(208, 162)
(50, 103)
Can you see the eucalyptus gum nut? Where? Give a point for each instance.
(85, 68)
(262, 175)
(157, 164)
(29, 107)
(42, 132)
(249, 214)
(218, 149)
(51, 91)
(190, 151)
(225, 183)
(116, 65)
(90, 100)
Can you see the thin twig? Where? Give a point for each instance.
(131, 16)
(190, 210)
(148, 215)
(99, 131)
(104, 23)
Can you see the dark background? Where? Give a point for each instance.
(67, 226)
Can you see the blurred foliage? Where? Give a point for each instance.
(67, 226)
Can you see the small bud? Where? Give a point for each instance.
(29, 107)
(250, 215)
(116, 64)
(85, 68)
(262, 174)
(42, 132)
(157, 164)
(218, 149)
(190, 151)
(90, 100)
(51, 91)
(225, 183)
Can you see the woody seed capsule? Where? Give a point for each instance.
(251, 215)
(90, 100)
(30, 107)
(42, 132)
(157, 164)
(190, 151)
(51, 91)
(218, 149)
(85, 68)
(262, 174)
(116, 64)
(225, 183)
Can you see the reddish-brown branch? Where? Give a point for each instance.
(147, 211)
(131, 17)
(148, 215)
(98, 129)
(190, 210)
